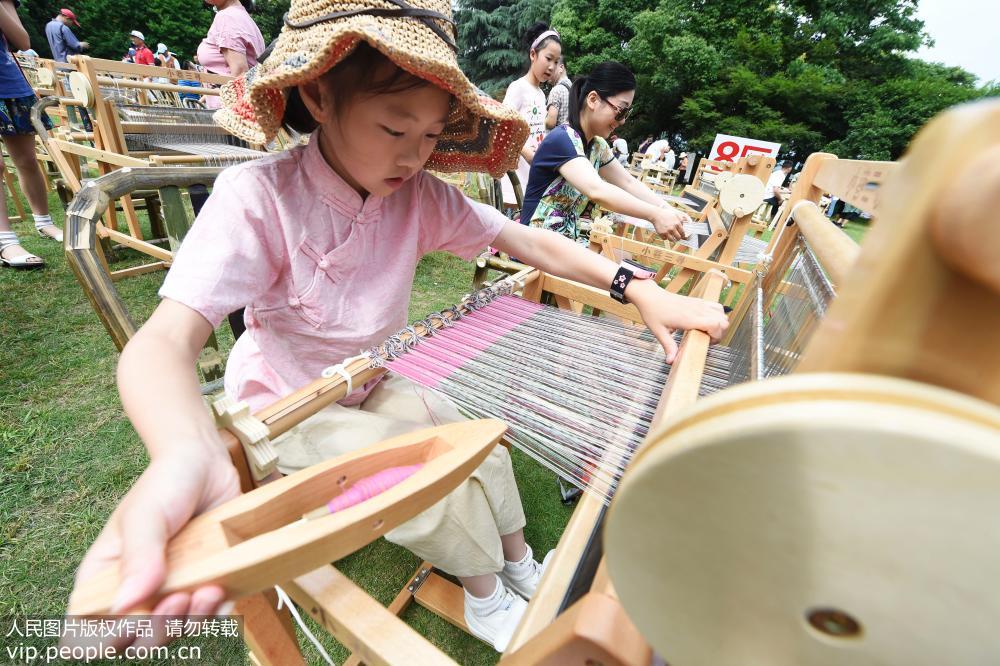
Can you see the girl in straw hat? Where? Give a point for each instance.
(320, 244)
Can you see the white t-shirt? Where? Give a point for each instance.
(653, 152)
(622, 149)
(774, 183)
(529, 101)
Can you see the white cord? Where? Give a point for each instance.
(341, 369)
(283, 599)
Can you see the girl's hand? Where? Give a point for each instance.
(172, 490)
(662, 312)
(669, 223)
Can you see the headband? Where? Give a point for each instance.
(542, 37)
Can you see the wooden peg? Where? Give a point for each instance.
(252, 433)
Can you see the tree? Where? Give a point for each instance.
(106, 24)
(489, 39)
(810, 74)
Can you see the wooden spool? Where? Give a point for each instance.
(44, 78)
(81, 89)
(816, 519)
(740, 194)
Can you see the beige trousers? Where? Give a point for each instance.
(461, 533)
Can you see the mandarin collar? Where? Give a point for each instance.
(331, 187)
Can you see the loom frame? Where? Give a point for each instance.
(268, 631)
(927, 275)
(724, 239)
(68, 148)
(545, 635)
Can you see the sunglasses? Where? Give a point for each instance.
(621, 113)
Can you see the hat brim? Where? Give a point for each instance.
(481, 134)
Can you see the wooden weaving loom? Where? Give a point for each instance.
(720, 238)
(928, 264)
(84, 237)
(138, 121)
(726, 230)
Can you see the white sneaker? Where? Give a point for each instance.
(523, 576)
(494, 618)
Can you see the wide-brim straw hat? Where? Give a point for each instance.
(480, 135)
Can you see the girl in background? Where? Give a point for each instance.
(525, 96)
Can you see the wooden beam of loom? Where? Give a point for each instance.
(543, 609)
(665, 255)
(82, 243)
(913, 277)
(148, 71)
(97, 154)
(151, 85)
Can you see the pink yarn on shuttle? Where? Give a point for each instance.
(370, 486)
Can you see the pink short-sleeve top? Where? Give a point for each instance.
(323, 273)
(233, 29)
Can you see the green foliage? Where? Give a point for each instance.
(268, 14)
(489, 38)
(811, 74)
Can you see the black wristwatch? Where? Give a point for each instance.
(628, 270)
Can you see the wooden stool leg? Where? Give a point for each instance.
(8, 179)
(156, 228)
(269, 632)
(401, 602)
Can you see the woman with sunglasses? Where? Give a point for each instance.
(575, 166)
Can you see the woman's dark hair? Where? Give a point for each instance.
(532, 34)
(247, 5)
(606, 79)
(362, 72)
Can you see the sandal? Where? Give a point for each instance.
(59, 232)
(24, 262)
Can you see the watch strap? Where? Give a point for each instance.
(620, 283)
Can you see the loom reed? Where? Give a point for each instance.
(164, 130)
(579, 392)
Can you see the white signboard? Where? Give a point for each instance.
(728, 148)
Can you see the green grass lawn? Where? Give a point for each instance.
(67, 452)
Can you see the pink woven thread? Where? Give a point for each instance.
(436, 357)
